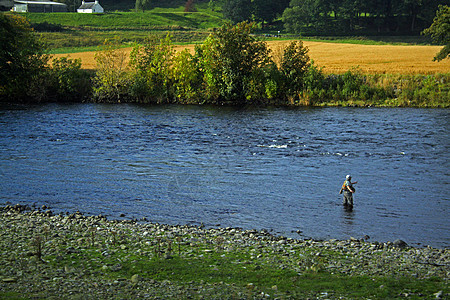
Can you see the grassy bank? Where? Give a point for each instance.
(74, 256)
(389, 90)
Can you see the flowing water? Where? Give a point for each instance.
(274, 169)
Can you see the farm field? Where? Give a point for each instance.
(339, 57)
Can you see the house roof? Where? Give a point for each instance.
(39, 2)
(87, 5)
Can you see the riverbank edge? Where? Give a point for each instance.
(45, 256)
(351, 89)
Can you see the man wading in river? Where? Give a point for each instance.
(348, 190)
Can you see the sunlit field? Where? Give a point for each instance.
(339, 58)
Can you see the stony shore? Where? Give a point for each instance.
(72, 256)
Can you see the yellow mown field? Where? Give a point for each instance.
(339, 58)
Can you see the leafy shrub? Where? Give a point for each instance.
(112, 80)
(314, 84)
(187, 78)
(424, 91)
(439, 31)
(230, 60)
(69, 82)
(152, 64)
(295, 63)
(22, 61)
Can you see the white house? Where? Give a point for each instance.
(90, 8)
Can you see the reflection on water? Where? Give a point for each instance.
(347, 219)
(275, 169)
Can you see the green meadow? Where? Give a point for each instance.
(130, 20)
(70, 32)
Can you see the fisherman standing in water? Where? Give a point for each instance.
(348, 190)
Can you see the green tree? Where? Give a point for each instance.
(69, 83)
(152, 63)
(350, 10)
(187, 78)
(143, 5)
(264, 11)
(440, 31)
(230, 60)
(304, 14)
(237, 10)
(22, 60)
(295, 63)
(419, 12)
(338, 16)
(112, 81)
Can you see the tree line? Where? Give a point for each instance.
(313, 17)
(231, 67)
(338, 16)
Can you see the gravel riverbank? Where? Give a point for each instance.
(73, 256)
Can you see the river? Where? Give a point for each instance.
(255, 168)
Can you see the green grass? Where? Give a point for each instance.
(85, 31)
(131, 20)
(273, 273)
(126, 5)
(238, 268)
(359, 40)
(12, 296)
(380, 40)
(202, 263)
(80, 41)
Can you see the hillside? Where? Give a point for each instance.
(66, 31)
(124, 5)
(72, 32)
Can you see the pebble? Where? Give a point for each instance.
(70, 235)
(400, 244)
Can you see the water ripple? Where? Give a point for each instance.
(277, 169)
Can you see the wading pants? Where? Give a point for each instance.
(348, 199)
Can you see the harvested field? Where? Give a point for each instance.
(339, 58)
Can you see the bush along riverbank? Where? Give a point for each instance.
(73, 256)
(231, 67)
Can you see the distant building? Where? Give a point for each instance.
(90, 8)
(6, 5)
(39, 6)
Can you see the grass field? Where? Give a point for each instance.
(341, 57)
(378, 55)
(81, 41)
(371, 56)
(129, 20)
